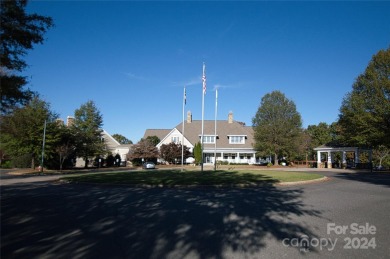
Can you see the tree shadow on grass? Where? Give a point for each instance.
(171, 178)
(84, 221)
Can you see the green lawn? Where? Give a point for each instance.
(177, 178)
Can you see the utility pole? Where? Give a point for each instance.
(43, 146)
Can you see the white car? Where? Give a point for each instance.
(148, 165)
(190, 160)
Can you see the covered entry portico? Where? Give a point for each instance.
(238, 156)
(330, 150)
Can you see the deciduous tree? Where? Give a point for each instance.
(380, 154)
(22, 131)
(121, 139)
(153, 140)
(66, 145)
(277, 126)
(365, 111)
(320, 134)
(172, 152)
(144, 149)
(87, 128)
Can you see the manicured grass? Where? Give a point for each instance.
(177, 178)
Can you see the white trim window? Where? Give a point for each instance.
(208, 139)
(240, 139)
(175, 139)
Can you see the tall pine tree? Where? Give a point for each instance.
(19, 32)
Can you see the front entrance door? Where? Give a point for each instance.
(207, 159)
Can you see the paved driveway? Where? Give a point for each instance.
(347, 217)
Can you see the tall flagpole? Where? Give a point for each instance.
(182, 131)
(203, 93)
(215, 130)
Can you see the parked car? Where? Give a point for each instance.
(148, 165)
(190, 160)
(379, 168)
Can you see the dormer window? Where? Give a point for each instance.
(208, 139)
(236, 139)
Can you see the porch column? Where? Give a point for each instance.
(329, 159)
(254, 158)
(238, 159)
(357, 156)
(344, 165)
(318, 159)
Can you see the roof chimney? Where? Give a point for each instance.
(60, 122)
(230, 117)
(189, 117)
(69, 121)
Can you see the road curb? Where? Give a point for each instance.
(323, 179)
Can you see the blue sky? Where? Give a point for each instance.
(134, 58)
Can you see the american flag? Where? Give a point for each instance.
(185, 96)
(204, 79)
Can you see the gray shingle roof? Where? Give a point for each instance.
(160, 133)
(193, 130)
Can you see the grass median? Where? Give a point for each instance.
(172, 178)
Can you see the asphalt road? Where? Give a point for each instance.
(346, 217)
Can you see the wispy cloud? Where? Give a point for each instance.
(224, 86)
(226, 30)
(217, 86)
(193, 81)
(134, 76)
(189, 82)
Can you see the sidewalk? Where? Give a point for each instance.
(30, 176)
(31, 179)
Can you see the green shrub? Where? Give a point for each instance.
(6, 164)
(23, 161)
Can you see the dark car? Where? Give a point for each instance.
(379, 168)
(148, 165)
